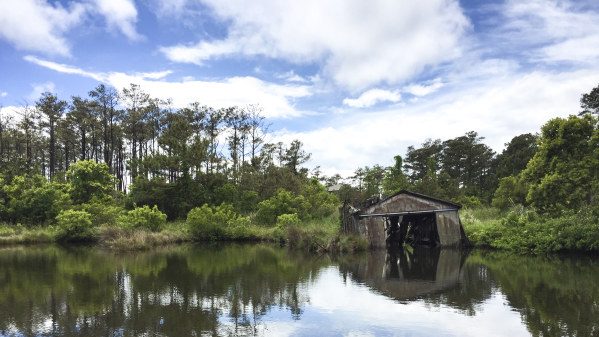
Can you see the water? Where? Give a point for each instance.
(231, 290)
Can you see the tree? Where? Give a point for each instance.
(88, 180)
(469, 161)
(52, 109)
(416, 162)
(516, 155)
(295, 156)
(590, 102)
(563, 173)
(395, 180)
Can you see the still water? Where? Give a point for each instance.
(231, 290)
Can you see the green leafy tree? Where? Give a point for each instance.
(394, 179)
(416, 162)
(590, 102)
(33, 200)
(516, 155)
(320, 202)
(563, 174)
(511, 191)
(88, 180)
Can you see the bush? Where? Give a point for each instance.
(74, 226)
(144, 218)
(217, 223)
(284, 202)
(285, 220)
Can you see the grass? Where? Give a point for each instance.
(321, 235)
(23, 235)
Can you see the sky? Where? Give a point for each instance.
(356, 81)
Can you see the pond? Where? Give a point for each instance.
(262, 290)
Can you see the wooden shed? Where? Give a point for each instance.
(407, 217)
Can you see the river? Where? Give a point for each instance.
(264, 290)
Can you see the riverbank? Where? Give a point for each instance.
(315, 235)
(522, 230)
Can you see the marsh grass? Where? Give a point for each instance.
(139, 239)
(23, 235)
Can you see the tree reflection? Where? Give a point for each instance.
(188, 290)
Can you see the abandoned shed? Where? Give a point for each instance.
(406, 217)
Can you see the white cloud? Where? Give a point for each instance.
(556, 30)
(3, 94)
(277, 100)
(39, 88)
(498, 110)
(359, 43)
(39, 26)
(120, 15)
(157, 75)
(42, 26)
(372, 97)
(64, 68)
(424, 89)
(291, 76)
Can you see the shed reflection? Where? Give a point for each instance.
(407, 273)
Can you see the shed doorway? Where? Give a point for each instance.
(413, 229)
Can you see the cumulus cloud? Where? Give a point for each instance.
(372, 97)
(561, 30)
(498, 110)
(120, 15)
(277, 100)
(3, 94)
(359, 43)
(39, 26)
(42, 26)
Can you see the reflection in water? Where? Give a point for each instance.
(264, 290)
(409, 273)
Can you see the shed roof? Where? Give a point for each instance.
(427, 204)
(423, 196)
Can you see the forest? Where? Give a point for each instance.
(123, 162)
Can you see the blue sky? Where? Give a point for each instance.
(356, 81)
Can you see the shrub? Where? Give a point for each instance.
(144, 218)
(216, 223)
(285, 220)
(74, 226)
(284, 202)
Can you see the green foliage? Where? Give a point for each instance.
(563, 174)
(394, 179)
(284, 202)
(226, 193)
(319, 203)
(510, 192)
(102, 211)
(89, 179)
(74, 226)
(216, 223)
(175, 199)
(144, 218)
(469, 202)
(525, 231)
(32, 200)
(286, 220)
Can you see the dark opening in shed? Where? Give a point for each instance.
(407, 218)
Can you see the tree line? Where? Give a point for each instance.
(180, 159)
(174, 158)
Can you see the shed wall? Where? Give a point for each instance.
(448, 227)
